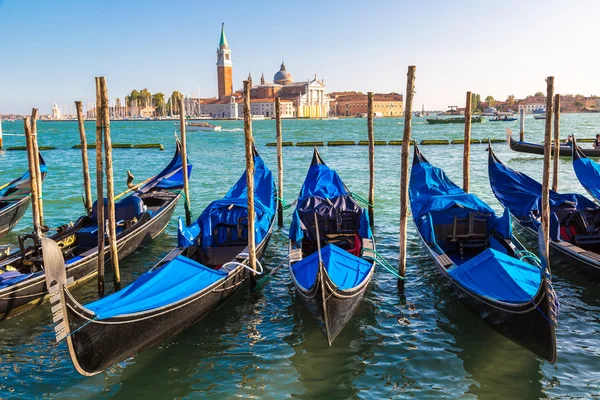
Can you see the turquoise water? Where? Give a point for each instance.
(422, 343)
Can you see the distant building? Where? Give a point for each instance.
(224, 66)
(55, 114)
(384, 104)
(228, 108)
(148, 112)
(532, 103)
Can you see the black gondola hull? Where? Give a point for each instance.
(527, 325)
(331, 309)
(579, 262)
(11, 215)
(32, 292)
(532, 148)
(98, 344)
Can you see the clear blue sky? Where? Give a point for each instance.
(51, 50)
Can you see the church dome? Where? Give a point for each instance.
(282, 77)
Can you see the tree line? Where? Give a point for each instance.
(143, 98)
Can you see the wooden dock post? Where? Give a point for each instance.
(110, 189)
(410, 93)
(249, 177)
(186, 187)
(546, 171)
(467, 146)
(0, 133)
(36, 159)
(522, 124)
(99, 189)
(31, 156)
(279, 137)
(556, 142)
(84, 159)
(371, 135)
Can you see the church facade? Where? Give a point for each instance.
(305, 99)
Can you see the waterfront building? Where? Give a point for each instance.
(384, 104)
(532, 103)
(229, 107)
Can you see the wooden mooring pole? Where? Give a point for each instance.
(467, 146)
(546, 171)
(249, 177)
(110, 189)
(99, 188)
(371, 135)
(36, 160)
(410, 93)
(522, 124)
(31, 156)
(279, 137)
(186, 187)
(87, 189)
(0, 133)
(556, 142)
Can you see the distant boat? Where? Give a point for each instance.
(539, 116)
(503, 118)
(539, 110)
(457, 120)
(257, 117)
(490, 112)
(200, 126)
(330, 119)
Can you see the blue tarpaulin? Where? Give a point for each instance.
(500, 277)
(435, 199)
(522, 195)
(324, 193)
(322, 181)
(232, 210)
(168, 284)
(588, 173)
(20, 187)
(345, 270)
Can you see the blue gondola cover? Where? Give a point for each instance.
(500, 277)
(522, 194)
(232, 210)
(345, 270)
(588, 173)
(168, 284)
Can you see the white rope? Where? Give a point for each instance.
(247, 267)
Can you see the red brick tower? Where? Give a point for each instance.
(224, 65)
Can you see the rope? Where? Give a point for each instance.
(84, 325)
(383, 263)
(362, 200)
(263, 281)
(523, 254)
(286, 206)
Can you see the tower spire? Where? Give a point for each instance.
(223, 41)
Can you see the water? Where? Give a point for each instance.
(420, 344)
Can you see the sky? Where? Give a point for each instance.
(51, 50)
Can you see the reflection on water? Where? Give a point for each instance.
(421, 344)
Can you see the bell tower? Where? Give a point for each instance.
(224, 78)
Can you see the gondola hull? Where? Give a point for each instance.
(532, 148)
(95, 345)
(330, 308)
(525, 324)
(32, 292)
(11, 215)
(587, 263)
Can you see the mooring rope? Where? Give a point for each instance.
(285, 205)
(356, 196)
(263, 281)
(84, 325)
(380, 260)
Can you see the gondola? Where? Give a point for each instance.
(574, 219)
(327, 264)
(533, 148)
(207, 267)
(587, 171)
(454, 120)
(141, 216)
(481, 262)
(15, 197)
